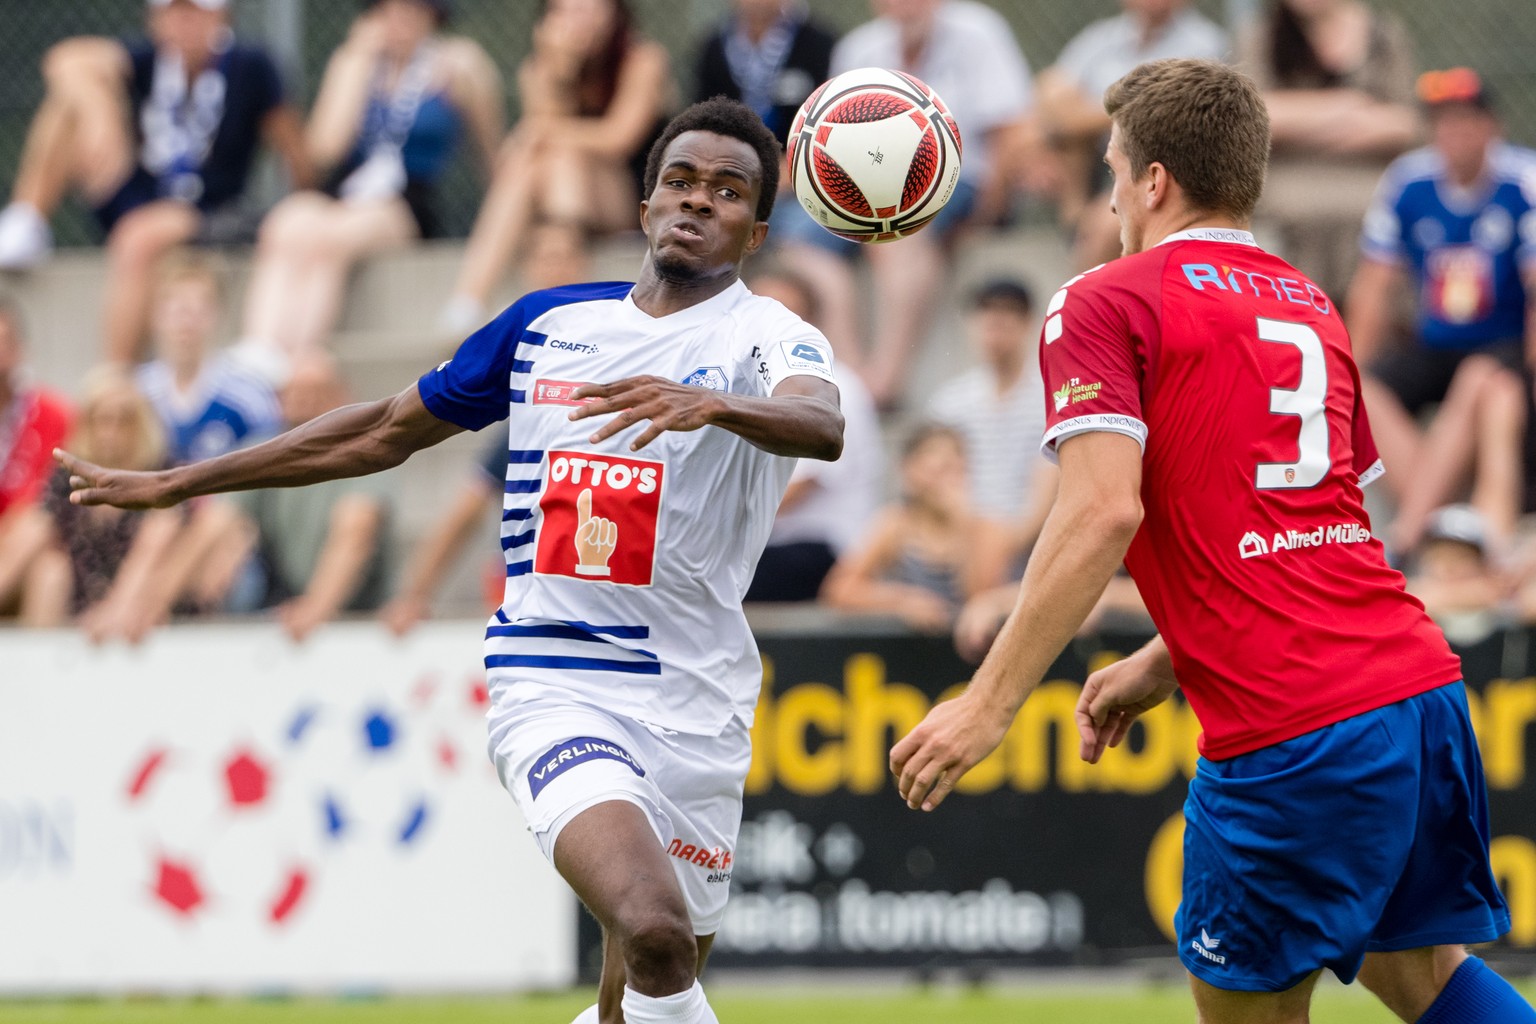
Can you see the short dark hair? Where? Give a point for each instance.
(734, 120)
(1003, 291)
(1203, 121)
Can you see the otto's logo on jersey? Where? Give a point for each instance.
(1252, 283)
(558, 392)
(1254, 544)
(600, 514)
(1074, 391)
(712, 377)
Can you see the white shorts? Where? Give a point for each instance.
(558, 757)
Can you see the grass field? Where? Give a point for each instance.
(735, 1005)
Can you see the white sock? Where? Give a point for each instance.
(587, 1016)
(686, 1007)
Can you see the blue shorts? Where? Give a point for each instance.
(1368, 835)
(790, 224)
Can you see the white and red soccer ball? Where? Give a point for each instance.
(874, 155)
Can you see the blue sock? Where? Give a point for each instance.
(1476, 995)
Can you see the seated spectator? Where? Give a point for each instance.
(1337, 77)
(1120, 607)
(208, 402)
(1453, 574)
(998, 406)
(594, 93)
(325, 548)
(770, 55)
(159, 138)
(97, 565)
(555, 257)
(33, 422)
(925, 556)
(397, 100)
(1070, 106)
(1447, 219)
(967, 53)
(827, 507)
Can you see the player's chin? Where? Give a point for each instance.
(679, 266)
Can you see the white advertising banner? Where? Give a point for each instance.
(223, 810)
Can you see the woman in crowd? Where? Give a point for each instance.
(97, 564)
(1337, 77)
(397, 99)
(926, 555)
(594, 94)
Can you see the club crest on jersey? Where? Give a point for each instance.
(711, 377)
(562, 757)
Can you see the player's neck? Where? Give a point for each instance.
(1185, 220)
(658, 296)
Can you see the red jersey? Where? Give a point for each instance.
(1255, 556)
(35, 423)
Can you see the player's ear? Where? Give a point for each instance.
(1157, 185)
(758, 237)
(645, 216)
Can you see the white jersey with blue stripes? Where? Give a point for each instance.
(626, 570)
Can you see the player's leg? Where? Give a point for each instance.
(136, 243)
(1220, 1006)
(1446, 895)
(1443, 985)
(610, 986)
(610, 856)
(1446, 454)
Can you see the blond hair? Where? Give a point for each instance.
(1204, 122)
(109, 382)
(186, 265)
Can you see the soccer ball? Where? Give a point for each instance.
(874, 155)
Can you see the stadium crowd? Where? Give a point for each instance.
(1395, 190)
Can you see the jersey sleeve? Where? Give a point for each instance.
(1525, 249)
(795, 349)
(472, 390)
(1089, 363)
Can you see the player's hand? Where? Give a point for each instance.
(949, 742)
(596, 538)
(667, 404)
(1113, 697)
(90, 484)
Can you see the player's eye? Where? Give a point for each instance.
(730, 193)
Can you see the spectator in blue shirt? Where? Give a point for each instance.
(159, 137)
(208, 402)
(1457, 220)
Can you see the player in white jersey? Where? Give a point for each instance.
(622, 672)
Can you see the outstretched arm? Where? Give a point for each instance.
(355, 440)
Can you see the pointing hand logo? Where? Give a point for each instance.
(596, 538)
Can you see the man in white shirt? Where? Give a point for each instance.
(967, 53)
(622, 673)
(1070, 111)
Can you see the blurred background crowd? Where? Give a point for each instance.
(226, 217)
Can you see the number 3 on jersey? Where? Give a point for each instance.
(1308, 401)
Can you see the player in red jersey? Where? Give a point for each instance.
(1205, 411)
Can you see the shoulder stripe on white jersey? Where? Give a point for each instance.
(523, 456)
(517, 541)
(524, 486)
(561, 631)
(519, 568)
(643, 668)
(509, 515)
